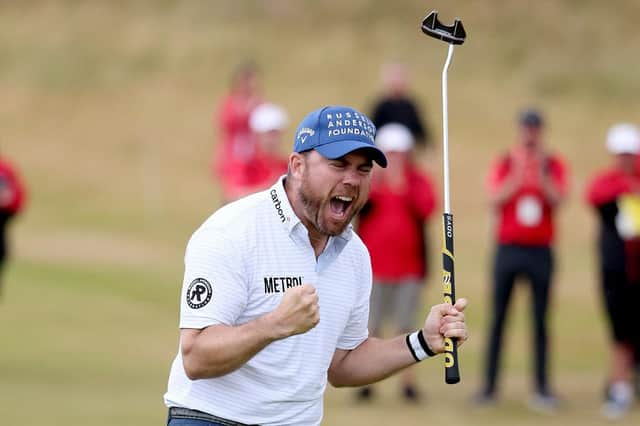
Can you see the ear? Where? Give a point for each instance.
(297, 164)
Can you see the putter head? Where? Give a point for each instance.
(454, 34)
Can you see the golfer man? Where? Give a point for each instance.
(275, 298)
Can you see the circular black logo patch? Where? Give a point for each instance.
(199, 293)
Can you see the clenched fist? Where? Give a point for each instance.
(443, 321)
(297, 313)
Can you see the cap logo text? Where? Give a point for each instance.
(304, 133)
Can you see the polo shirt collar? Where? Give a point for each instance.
(284, 212)
(282, 209)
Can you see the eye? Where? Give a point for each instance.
(337, 164)
(366, 168)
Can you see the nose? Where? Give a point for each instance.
(352, 177)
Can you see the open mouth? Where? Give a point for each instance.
(340, 205)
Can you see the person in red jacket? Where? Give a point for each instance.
(392, 226)
(526, 186)
(236, 150)
(12, 198)
(614, 193)
(268, 123)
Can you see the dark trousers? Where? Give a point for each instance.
(536, 265)
(621, 299)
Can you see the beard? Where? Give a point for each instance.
(314, 204)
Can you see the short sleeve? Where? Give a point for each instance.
(357, 330)
(560, 176)
(605, 188)
(497, 174)
(214, 290)
(422, 195)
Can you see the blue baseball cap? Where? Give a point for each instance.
(335, 131)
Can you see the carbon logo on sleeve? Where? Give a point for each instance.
(199, 293)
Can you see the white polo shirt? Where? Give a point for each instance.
(238, 265)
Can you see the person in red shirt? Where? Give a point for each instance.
(526, 186)
(614, 194)
(236, 150)
(12, 199)
(268, 123)
(392, 226)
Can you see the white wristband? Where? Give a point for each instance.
(418, 346)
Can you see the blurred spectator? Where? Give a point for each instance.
(267, 122)
(392, 226)
(12, 197)
(395, 104)
(236, 150)
(615, 195)
(526, 185)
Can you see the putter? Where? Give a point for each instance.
(453, 35)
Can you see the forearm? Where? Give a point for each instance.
(551, 192)
(220, 349)
(506, 189)
(374, 360)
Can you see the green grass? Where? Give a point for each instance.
(81, 343)
(107, 108)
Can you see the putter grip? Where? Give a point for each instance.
(451, 371)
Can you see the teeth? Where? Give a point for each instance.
(345, 199)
